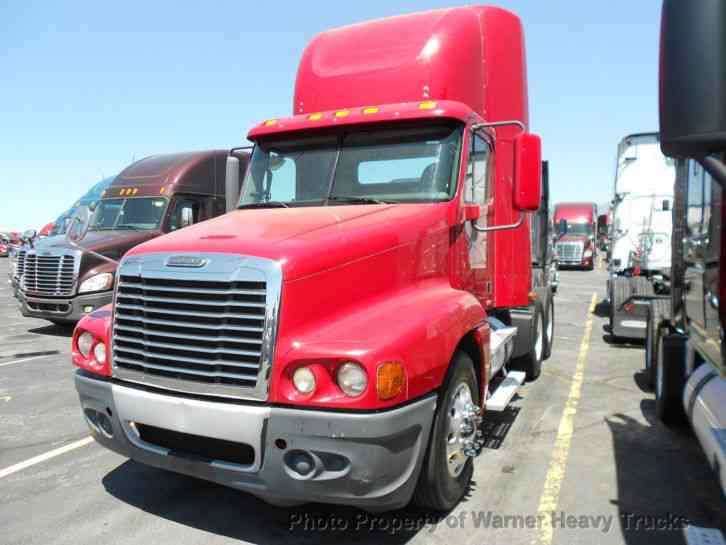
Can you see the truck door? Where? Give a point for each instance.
(188, 210)
(480, 168)
(711, 276)
(695, 248)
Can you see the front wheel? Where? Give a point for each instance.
(670, 377)
(448, 465)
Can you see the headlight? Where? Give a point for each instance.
(84, 343)
(352, 379)
(588, 253)
(304, 380)
(100, 282)
(99, 353)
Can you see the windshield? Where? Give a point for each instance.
(142, 213)
(416, 164)
(576, 229)
(60, 226)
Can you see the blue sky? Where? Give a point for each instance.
(88, 87)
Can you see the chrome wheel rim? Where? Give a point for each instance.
(550, 324)
(538, 342)
(459, 429)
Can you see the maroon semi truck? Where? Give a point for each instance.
(156, 195)
(575, 224)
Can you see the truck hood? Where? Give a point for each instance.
(307, 240)
(113, 244)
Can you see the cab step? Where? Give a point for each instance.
(501, 345)
(504, 393)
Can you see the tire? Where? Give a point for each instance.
(549, 328)
(659, 310)
(670, 378)
(441, 485)
(651, 346)
(531, 362)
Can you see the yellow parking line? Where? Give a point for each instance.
(558, 464)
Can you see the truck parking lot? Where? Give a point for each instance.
(582, 441)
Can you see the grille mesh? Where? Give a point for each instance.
(47, 275)
(569, 251)
(191, 330)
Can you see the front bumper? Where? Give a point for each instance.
(62, 309)
(580, 262)
(367, 460)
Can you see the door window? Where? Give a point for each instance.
(188, 210)
(698, 212)
(478, 171)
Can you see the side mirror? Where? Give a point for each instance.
(29, 235)
(602, 225)
(527, 172)
(666, 205)
(692, 77)
(186, 217)
(78, 225)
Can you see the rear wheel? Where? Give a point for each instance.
(531, 362)
(651, 346)
(448, 465)
(670, 377)
(549, 328)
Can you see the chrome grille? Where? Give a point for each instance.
(569, 251)
(19, 263)
(194, 333)
(52, 275)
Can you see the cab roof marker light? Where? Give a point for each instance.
(270, 122)
(315, 117)
(427, 105)
(342, 113)
(371, 110)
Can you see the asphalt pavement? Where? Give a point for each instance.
(578, 458)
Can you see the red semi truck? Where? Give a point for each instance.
(575, 223)
(338, 338)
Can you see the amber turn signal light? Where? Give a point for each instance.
(391, 379)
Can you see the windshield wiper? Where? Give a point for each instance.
(129, 227)
(264, 204)
(351, 199)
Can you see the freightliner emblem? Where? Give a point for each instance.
(186, 261)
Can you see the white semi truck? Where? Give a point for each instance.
(640, 234)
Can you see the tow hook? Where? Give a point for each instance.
(472, 435)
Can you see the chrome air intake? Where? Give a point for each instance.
(202, 324)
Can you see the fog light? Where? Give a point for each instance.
(99, 352)
(84, 343)
(352, 379)
(304, 380)
(87, 309)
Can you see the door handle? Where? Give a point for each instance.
(712, 299)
